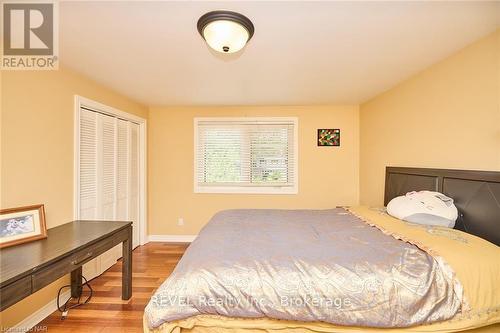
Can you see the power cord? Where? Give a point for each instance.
(66, 307)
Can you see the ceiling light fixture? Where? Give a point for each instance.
(225, 31)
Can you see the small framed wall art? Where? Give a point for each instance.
(21, 225)
(329, 137)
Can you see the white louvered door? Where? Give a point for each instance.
(88, 165)
(88, 194)
(122, 169)
(108, 177)
(133, 197)
(107, 167)
(107, 181)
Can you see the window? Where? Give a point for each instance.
(246, 155)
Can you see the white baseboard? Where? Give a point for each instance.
(172, 238)
(28, 323)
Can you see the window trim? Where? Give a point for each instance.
(245, 189)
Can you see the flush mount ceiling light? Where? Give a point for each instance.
(225, 31)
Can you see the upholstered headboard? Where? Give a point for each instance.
(476, 195)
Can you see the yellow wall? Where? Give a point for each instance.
(37, 110)
(447, 116)
(327, 176)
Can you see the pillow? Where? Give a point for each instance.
(424, 207)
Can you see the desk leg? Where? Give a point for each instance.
(127, 266)
(76, 282)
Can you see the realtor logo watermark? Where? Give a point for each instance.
(30, 36)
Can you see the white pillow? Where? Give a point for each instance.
(424, 207)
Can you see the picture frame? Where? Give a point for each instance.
(328, 137)
(21, 225)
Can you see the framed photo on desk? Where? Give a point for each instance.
(21, 225)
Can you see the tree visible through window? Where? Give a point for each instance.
(222, 156)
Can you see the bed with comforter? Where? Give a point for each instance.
(336, 270)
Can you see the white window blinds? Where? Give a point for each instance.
(256, 155)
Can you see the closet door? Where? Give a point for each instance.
(108, 181)
(88, 165)
(133, 198)
(122, 170)
(121, 187)
(109, 177)
(88, 191)
(107, 169)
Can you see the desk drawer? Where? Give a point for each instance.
(66, 265)
(15, 292)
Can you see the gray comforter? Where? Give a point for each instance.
(304, 265)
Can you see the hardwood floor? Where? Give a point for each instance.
(107, 312)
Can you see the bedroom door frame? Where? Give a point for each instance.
(79, 102)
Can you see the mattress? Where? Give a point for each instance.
(221, 324)
(466, 297)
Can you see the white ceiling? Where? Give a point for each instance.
(301, 53)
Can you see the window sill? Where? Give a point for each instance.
(246, 190)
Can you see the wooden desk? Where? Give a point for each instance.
(27, 268)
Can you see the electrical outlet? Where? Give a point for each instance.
(180, 221)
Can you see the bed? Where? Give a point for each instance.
(343, 270)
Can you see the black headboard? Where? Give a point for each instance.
(476, 195)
